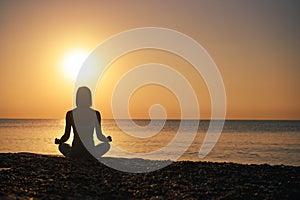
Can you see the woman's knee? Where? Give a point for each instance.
(101, 149)
(107, 145)
(64, 149)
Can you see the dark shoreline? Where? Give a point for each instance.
(24, 176)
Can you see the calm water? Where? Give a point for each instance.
(272, 142)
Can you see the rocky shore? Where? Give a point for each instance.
(33, 176)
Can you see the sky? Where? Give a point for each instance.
(255, 45)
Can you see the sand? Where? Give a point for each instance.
(25, 176)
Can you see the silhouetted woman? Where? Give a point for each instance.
(84, 120)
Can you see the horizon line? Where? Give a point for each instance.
(169, 119)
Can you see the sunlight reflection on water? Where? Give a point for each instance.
(272, 142)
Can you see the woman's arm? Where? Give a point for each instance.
(99, 133)
(66, 136)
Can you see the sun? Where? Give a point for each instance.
(72, 62)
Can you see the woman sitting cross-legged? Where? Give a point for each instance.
(83, 120)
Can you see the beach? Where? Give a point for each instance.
(27, 175)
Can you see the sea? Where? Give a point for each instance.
(274, 142)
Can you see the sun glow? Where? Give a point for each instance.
(72, 63)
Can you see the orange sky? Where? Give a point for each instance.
(255, 45)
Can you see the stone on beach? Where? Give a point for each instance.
(41, 176)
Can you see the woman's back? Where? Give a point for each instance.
(85, 122)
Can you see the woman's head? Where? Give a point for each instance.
(84, 97)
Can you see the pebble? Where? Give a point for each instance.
(26, 176)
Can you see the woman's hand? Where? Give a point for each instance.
(57, 141)
(109, 138)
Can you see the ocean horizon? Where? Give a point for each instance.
(273, 142)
